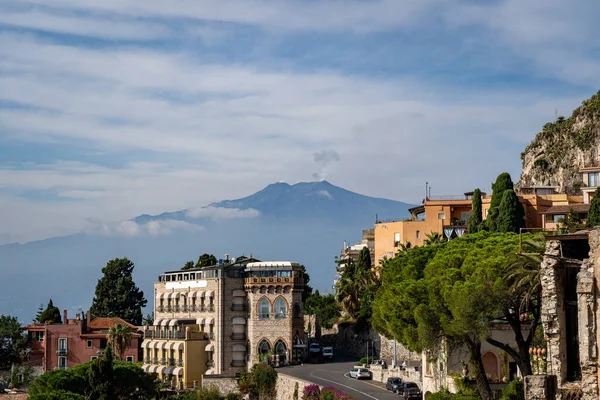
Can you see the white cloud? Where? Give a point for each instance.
(133, 229)
(221, 213)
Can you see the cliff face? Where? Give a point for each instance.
(556, 154)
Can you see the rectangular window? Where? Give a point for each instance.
(88, 344)
(556, 218)
(62, 362)
(396, 239)
(593, 179)
(92, 358)
(62, 344)
(418, 234)
(441, 216)
(129, 359)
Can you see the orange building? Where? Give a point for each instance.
(447, 215)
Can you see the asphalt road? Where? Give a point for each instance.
(336, 374)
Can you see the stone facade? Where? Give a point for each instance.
(286, 386)
(222, 303)
(224, 384)
(410, 374)
(569, 274)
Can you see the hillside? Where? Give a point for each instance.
(556, 153)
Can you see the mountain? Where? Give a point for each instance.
(556, 154)
(306, 222)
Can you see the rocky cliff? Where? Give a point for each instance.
(555, 155)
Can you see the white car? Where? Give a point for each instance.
(360, 373)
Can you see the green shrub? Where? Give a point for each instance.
(446, 395)
(514, 390)
(365, 360)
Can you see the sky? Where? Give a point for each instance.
(114, 108)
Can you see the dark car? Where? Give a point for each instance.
(393, 384)
(410, 391)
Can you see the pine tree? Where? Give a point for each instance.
(593, 218)
(189, 265)
(503, 183)
(206, 260)
(474, 222)
(116, 293)
(511, 214)
(39, 313)
(50, 315)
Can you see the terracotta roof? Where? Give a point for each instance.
(579, 208)
(108, 322)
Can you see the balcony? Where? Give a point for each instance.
(238, 363)
(264, 316)
(148, 360)
(163, 361)
(211, 307)
(238, 307)
(210, 363)
(61, 352)
(160, 309)
(180, 363)
(171, 362)
(61, 367)
(238, 336)
(155, 360)
(211, 335)
(150, 334)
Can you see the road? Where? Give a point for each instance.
(336, 374)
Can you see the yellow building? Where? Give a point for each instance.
(176, 351)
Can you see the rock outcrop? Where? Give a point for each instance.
(556, 154)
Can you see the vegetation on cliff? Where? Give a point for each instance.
(562, 147)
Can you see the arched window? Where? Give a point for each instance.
(280, 308)
(281, 350)
(263, 348)
(264, 309)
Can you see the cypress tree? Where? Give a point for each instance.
(511, 213)
(474, 222)
(116, 293)
(503, 183)
(593, 218)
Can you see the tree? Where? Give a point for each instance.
(511, 213)
(12, 341)
(119, 337)
(116, 293)
(259, 383)
(503, 183)
(433, 238)
(325, 308)
(189, 265)
(476, 217)
(593, 218)
(39, 313)
(51, 315)
(206, 260)
(103, 378)
(571, 221)
(307, 288)
(149, 319)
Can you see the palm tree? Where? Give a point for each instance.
(348, 289)
(433, 238)
(119, 337)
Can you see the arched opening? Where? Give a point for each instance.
(264, 348)
(281, 351)
(280, 308)
(264, 308)
(490, 365)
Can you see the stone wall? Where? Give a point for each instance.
(540, 387)
(286, 386)
(224, 384)
(409, 375)
(344, 337)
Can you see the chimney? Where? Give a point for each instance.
(226, 257)
(88, 319)
(65, 319)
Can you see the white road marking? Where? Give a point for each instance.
(341, 384)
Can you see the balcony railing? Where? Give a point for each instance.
(180, 363)
(163, 361)
(148, 360)
(211, 307)
(280, 316)
(62, 367)
(211, 335)
(238, 363)
(210, 364)
(264, 316)
(238, 336)
(172, 362)
(238, 307)
(61, 352)
(160, 309)
(155, 360)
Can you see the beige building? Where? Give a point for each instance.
(207, 320)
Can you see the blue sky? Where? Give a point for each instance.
(110, 109)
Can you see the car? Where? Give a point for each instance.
(393, 384)
(360, 373)
(314, 352)
(410, 391)
(328, 353)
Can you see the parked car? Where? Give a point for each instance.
(328, 353)
(410, 391)
(393, 384)
(383, 363)
(360, 373)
